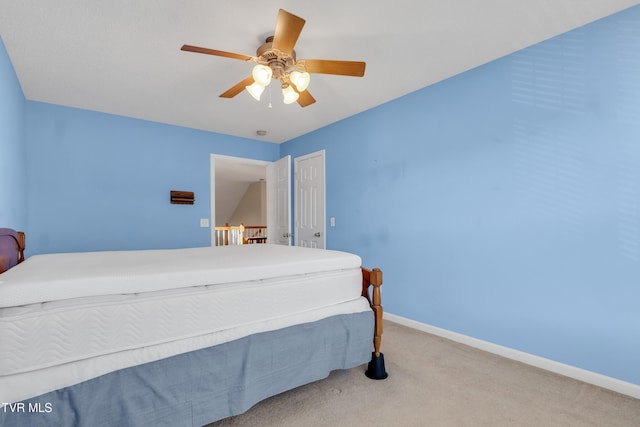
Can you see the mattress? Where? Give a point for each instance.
(202, 386)
(119, 309)
(53, 277)
(20, 386)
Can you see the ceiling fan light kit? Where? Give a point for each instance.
(262, 74)
(276, 59)
(289, 95)
(301, 80)
(255, 89)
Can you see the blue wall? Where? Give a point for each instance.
(504, 203)
(13, 187)
(102, 182)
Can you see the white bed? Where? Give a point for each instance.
(72, 325)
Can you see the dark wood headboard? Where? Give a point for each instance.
(11, 248)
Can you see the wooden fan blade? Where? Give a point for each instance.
(196, 49)
(305, 98)
(342, 68)
(237, 88)
(288, 29)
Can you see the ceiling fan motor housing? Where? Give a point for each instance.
(279, 62)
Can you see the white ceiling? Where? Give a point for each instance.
(240, 170)
(123, 56)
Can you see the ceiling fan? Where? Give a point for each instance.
(276, 59)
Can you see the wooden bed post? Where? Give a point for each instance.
(12, 246)
(376, 369)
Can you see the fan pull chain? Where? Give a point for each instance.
(270, 106)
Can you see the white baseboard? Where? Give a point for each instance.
(589, 377)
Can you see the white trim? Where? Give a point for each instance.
(583, 375)
(212, 196)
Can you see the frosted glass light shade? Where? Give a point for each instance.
(301, 80)
(290, 95)
(262, 74)
(255, 89)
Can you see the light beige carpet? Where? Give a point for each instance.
(436, 382)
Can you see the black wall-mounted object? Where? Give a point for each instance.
(182, 197)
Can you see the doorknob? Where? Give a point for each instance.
(317, 234)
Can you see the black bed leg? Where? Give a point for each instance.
(376, 370)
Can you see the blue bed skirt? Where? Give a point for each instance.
(200, 387)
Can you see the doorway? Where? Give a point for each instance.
(231, 178)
